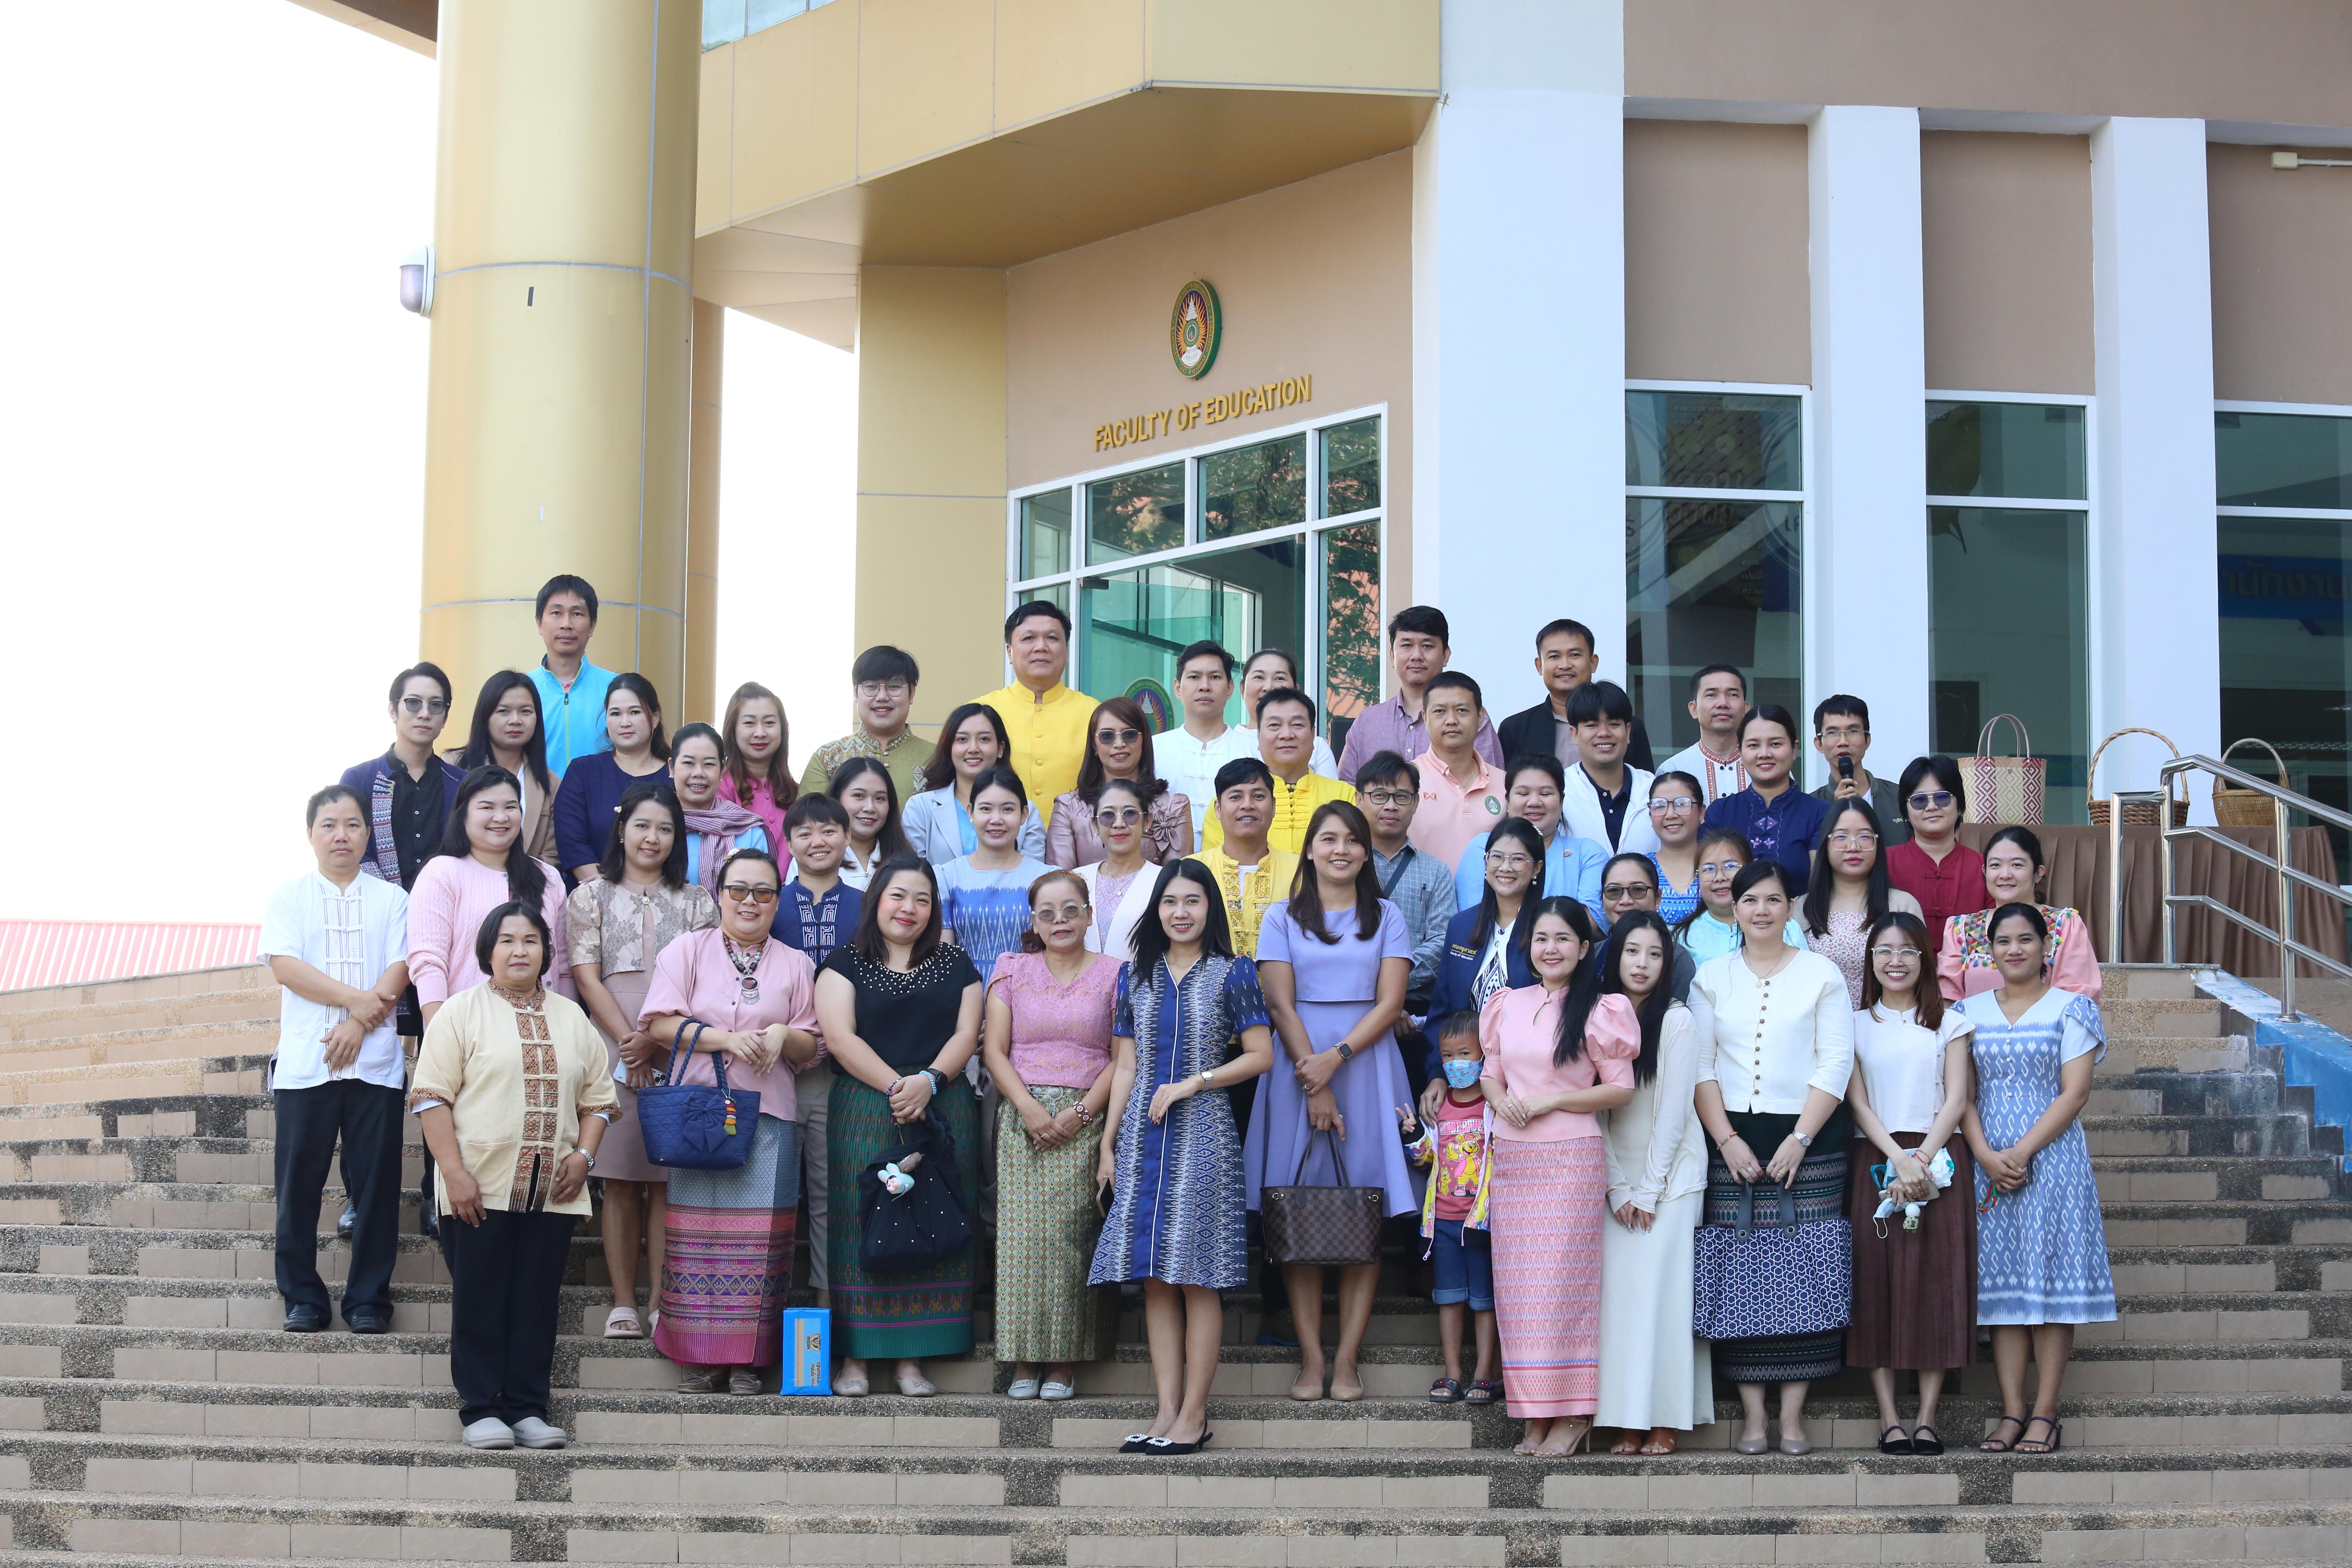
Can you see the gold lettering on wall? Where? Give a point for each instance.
(1153, 424)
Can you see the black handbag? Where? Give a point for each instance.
(693, 1126)
(905, 1233)
(1336, 1226)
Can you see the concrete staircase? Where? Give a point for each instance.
(150, 1411)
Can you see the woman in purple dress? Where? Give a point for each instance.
(1333, 963)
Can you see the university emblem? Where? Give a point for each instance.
(1194, 329)
(1152, 698)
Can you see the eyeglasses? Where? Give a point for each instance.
(1721, 868)
(1931, 800)
(1119, 816)
(432, 705)
(1385, 796)
(871, 689)
(1889, 954)
(744, 893)
(1061, 914)
(1509, 862)
(1672, 803)
(1119, 736)
(1624, 892)
(1855, 838)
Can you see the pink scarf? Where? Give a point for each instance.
(721, 826)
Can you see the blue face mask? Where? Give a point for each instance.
(1463, 1071)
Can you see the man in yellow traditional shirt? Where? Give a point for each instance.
(1286, 738)
(1045, 719)
(1252, 874)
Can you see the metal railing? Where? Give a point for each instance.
(2280, 866)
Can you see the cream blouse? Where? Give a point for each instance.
(517, 1081)
(1657, 1150)
(1774, 1038)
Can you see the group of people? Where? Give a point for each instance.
(1126, 983)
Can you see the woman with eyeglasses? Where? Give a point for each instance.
(713, 826)
(617, 927)
(1945, 875)
(984, 896)
(480, 864)
(938, 820)
(1847, 893)
(1046, 1040)
(1677, 808)
(592, 784)
(2015, 873)
(734, 992)
(1118, 747)
(1119, 885)
(2041, 1246)
(507, 734)
(870, 795)
(756, 747)
(1629, 887)
(1712, 929)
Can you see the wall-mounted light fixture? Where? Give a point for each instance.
(2296, 161)
(416, 280)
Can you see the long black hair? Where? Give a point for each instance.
(1306, 893)
(867, 939)
(891, 842)
(1652, 1011)
(1151, 941)
(938, 772)
(1583, 986)
(617, 848)
(1519, 830)
(1926, 995)
(1824, 884)
(526, 883)
(638, 686)
(479, 752)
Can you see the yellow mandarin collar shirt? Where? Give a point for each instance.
(1248, 898)
(1293, 808)
(1049, 738)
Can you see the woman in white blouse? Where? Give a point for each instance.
(1119, 885)
(1655, 1374)
(1773, 1258)
(1915, 1277)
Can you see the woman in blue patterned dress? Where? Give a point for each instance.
(2042, 1251)
(984, 896)
(1170, 1151)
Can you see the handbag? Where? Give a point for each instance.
(1326, 1227)
(2006, 790)
(694, 1126)
(1785, 1278)
(907, 1231)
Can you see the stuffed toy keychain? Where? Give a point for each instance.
(1939, 1171)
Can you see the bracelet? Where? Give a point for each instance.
(1085, 1116)
(939, 1079)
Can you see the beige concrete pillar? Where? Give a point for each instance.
(699, 701)
(931, 476)
(556, 431)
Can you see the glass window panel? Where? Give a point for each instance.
(1351, 466)
(1054, 593)
(1714, 440)
(2008, 611)
(2032, 450)
(723, 22)
(1135, 514)
(1254, 488)
(2283, 460)
(768, 12)
(1136, 622)
(1712, 582)
(1351, 625)
(2286, 660)
(1045, 533)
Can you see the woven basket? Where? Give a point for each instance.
(2137, 812)
(2235, 806)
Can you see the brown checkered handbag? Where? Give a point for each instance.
(1327, 1228)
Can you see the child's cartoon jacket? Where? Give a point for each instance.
(1460, 1154)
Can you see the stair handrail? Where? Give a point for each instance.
(2285, 875)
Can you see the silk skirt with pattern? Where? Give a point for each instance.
(1046, 1225)
(727, 1269)
(1548, 1202)
(924, 1313)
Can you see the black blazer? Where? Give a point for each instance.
(1531, 730)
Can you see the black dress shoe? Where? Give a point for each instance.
(305, 1321)
(347, 1222)
(369, 1323)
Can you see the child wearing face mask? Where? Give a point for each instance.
(1458, 1145)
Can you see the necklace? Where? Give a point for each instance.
(746, 963)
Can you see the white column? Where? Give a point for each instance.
(2155, 616)
(1866, 555)
(1519, 336)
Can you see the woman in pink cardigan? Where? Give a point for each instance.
(2013, 875)
(481, 864)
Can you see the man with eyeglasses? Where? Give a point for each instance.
(571, 691)
(409, 789)
(882, 687)
(1532, 791)
(1388, 789)
(1842, 735)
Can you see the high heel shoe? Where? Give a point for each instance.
(1549, 1449)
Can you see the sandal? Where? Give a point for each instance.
(1628, 1442)
(698, 1380)
(1894, 1440)
(1484, 1391)
(623, 1323)
(743, 1380)
(1994, 1444)
(2036, 1446)
(1660, 1443)
(1445, 1391)
(1924, 1440)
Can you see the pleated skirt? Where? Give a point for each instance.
(1914, 1292)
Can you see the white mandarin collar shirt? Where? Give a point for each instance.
(1190, 766)
(1902, 1063)
(1775, 1038)
(351, 935)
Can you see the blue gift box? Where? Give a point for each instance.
(808, 1350)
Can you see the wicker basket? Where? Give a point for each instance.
(2237, 808)
(2137, 812)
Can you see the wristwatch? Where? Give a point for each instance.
(1208, 1078)
(587, 1156)
(1345, 1051)
(1802, 1141)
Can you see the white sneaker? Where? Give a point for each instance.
(533, 1433)
(489, 1432)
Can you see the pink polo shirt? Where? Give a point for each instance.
(1450, 816)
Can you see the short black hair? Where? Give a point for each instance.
(1207, 647)
(1286, 694)
(1461, 1021)
(565, 583)
(1386, 767)
(1769, 713)
(1940, 768)
(1598, 699)
(486, 936)
(1031, 611)
(326, 797)
(1428, 620)
(1705, 670)
(999, 777)
(430, 671)
(1543, 762)
(1454, 679)
(883, 662)
(815, 808)
(1842, 706)
(1241, 770)
(1564, 626)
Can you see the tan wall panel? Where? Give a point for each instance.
(1052, 54)
(1372, 46)
(930, 579)
(714, 173)
(2282, 321)
(2271, 60)
(1715, 235)
(2006, 236)
(922, 81)
(796, 109)
(698, 698)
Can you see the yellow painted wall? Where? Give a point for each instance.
(699, 699)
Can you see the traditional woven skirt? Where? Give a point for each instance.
(728, 1269)
(925, 1313)
(621, 1157)
(1914, 1292)
(1046, 1229)
(1819, 1194)
(1549, 1203)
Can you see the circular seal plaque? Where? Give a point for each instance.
(1152, 698)
(1194, 329)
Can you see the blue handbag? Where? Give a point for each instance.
(693, 1126)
